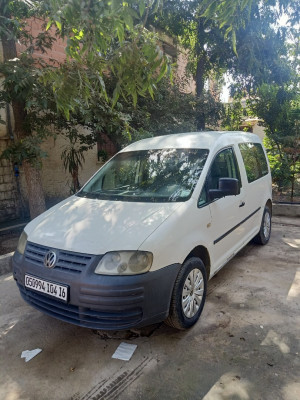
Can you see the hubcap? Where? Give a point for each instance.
(192, 293)
(267, 225)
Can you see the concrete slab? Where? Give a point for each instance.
(286, 210)
(245, 346)
(287, 221)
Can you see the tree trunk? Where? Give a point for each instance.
(293, 188)
(32, 174)
(200, 119)
(200, 74)
(75, 180)
(293, 178)
(34, 189)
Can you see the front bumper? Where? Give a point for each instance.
(100, 301)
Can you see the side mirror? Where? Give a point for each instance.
(227, 187)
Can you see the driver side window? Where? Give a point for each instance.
(223, 166)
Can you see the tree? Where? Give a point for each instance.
(279, 108)
(236, 15)
(103, 38)
(233, 115)
(208, 50)
(73, 159)
(172, 111)
(17, 87)
(241, 37)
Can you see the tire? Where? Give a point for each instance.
(264, 233)
(186, 302)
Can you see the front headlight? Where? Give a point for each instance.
(22, 243)
(124, 263)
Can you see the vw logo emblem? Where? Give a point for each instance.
(50, 259)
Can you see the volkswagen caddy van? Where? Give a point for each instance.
(138, 243)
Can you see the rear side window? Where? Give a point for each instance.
(255, 160)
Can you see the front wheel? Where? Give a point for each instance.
(189, 294)
(264, 233)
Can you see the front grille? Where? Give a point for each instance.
(66, 260)
(84, 317)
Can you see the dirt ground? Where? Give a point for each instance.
(244, 347)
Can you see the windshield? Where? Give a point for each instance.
(165, 175)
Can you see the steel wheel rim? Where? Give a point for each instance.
(192, 293)
(267, 225)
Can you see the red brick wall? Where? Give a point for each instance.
(57, 52)
(104, 143)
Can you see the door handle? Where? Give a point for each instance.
(242, 204)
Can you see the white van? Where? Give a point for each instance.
(138, 243)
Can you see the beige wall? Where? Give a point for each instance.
(259, 130)
(182, 59)
(56, 181)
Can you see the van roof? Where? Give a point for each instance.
(202, 140)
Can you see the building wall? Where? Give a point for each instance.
(179, 56)
(57, 52)
(189, 82)
(56, 181)
(259, 131)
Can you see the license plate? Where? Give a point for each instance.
(50, 288)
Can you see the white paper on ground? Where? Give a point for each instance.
(29, 354)
(124, 351)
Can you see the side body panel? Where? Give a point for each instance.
(227, 233)
(258, 193)
(223, 226)
(185, 229)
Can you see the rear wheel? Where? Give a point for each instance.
(189, 294)
(264, 233)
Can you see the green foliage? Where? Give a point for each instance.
(201, 37)
(237, 15)
(28, 149)
(172, 111)
(260, 42)
(21, 86)
(108, 38)
(114, 68)
(233, 115)
(106, 44)
(102, 155)
(73, 158)
(207, 51)
(240, 37)
(279, 108)
(280, 165)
